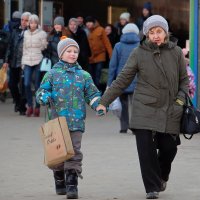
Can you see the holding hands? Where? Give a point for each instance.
(101, 110)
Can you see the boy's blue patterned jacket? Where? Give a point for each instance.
(69, 86)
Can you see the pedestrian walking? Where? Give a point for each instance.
(14, 23)
(54, 37)
(4, 40)
(146, 12)
(13, 60)
(35, 41)
(124, 19)
(69, 87)
(81, 23)
(128, 41)
(157, 102)
(192, 85)
(111, 33)
(99, 45)
(79, 35)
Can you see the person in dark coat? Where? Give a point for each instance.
(13, 60)
(53, 39)
(79, 35)
(14, 23)
(146, 12)
(158, 100)
(4, 40)
(124, 19)
(111, 33)
(128, 41)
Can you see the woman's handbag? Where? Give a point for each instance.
(56, 141)
(3, 79)
(45, 65)
(190, 122)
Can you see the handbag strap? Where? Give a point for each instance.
(186, 137)
(188, 100)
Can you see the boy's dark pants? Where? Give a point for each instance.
(155, 165)
(76, 161)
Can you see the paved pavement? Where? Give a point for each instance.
(110, 165)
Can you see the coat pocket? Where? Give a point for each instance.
(145, 99)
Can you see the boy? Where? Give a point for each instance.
(69, 87)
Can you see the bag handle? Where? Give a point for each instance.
(188, 138)
(187, 98)
(54, 113)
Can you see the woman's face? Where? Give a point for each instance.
(157, 35)
(58, 28)
(33, 25)
(70, 55)
(108, 30)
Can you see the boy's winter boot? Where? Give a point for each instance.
(59, 177)
(71, 184)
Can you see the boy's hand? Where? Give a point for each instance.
(101, 110)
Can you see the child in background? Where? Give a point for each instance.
(192, 86)
(69, 87)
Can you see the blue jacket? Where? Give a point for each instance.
(70, 88)
(121, 52)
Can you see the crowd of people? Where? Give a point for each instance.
(146, 71)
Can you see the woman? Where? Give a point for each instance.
(54, 37)
(128, 41)
(111, 33)
(35, 41)
(157, 103)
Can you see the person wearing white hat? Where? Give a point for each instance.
(128, 41)
(124, 19)
(158, 100)
(35, 41)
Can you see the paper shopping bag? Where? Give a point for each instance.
(3, 79)
(56, 141)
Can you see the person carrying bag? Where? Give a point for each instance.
(70, 88)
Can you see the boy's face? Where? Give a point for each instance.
(70, 55)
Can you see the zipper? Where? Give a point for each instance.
(73, 81)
